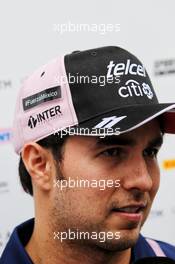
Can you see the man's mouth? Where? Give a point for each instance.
(132, 212)
(129, 209)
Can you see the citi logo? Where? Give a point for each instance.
(44, 116)
(124, 69)
(133, 88)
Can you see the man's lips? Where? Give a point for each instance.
(131, 208)
(132, 212)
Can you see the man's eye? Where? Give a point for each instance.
(150, 152)
(112, 152)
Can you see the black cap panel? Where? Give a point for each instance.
(107, 78)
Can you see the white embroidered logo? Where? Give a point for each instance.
(147, 90)
(125, 69)
(133, 88)
(109, 122)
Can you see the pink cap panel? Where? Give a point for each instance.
(44, 117)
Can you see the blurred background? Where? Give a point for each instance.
(34, 32)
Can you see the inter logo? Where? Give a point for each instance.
(44, 116)
(32, 122)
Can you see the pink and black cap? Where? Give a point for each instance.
(104, 90)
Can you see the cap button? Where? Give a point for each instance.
(93, 53)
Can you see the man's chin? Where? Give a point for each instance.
(128, 239)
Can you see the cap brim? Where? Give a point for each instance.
(133, 117)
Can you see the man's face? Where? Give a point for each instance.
(130, 158)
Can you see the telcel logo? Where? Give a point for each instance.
(133, 88)
(125, 68)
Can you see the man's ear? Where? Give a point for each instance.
(39, 164)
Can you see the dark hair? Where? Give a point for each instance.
(55, 144)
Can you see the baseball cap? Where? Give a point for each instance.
(92, 92)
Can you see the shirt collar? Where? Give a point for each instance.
(15, 249)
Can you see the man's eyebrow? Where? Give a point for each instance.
(156, 142)
(124, 141)
(115, 140)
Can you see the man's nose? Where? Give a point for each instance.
(137, 175)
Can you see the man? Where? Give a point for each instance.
(88, 128)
